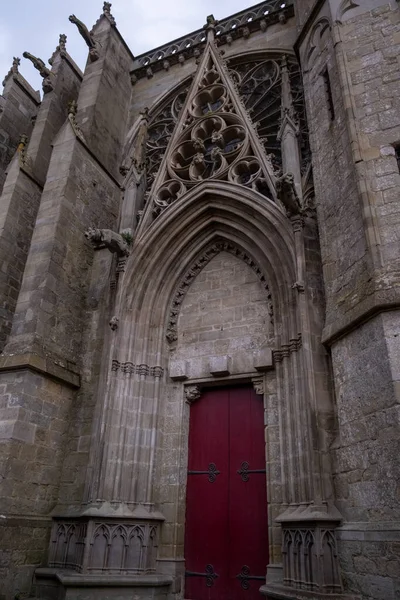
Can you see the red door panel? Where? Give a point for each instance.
(226, 516)
(207, 497)
(247, 495)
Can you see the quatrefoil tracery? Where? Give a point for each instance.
(208, 148)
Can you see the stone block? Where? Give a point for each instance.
(263, 359)
(178, 370)
(220, 365)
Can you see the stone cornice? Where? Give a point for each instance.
(239, 25)
(43, 365)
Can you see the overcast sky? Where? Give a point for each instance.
(34, 25)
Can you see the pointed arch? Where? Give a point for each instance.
(164, 252)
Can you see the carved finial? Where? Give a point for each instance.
(61, 48)
(107, 13)
(210, 26)
(87, 36)
(13, 70)
(62, 42)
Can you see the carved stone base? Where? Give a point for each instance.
(281, 592)
(93, 542)
(64, 584)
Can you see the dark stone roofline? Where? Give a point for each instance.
(253, 19)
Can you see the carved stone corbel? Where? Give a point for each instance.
(72, 110)
(258, 385)
(192, 393)
(87, 36)
(287, 194)
(113, 323)
(21, 149)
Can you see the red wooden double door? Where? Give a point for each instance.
(226, 544)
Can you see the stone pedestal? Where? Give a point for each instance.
(62, 584)
(103, 551)
(310, 559)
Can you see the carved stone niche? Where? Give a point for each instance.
(100, 545)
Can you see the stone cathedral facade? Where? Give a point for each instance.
(199, 300)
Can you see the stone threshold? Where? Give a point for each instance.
(281, 592)
(71, 578)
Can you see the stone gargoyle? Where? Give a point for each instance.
(44, 72)
(287, 194)
(107, 238)
(87, 36)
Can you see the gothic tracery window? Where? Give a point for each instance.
(258, 82)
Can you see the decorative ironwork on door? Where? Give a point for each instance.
(245, 471)
(209, 574)
(244, 577)
(212, 472)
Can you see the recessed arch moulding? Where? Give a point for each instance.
(142, 463)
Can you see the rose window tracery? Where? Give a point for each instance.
(259, 83)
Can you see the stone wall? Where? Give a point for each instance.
(35, 414)
(23, 186)
(225, 312)
(351, 70)
(18, 109)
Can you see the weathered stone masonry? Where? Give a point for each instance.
(220, 210)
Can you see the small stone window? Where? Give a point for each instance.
(328, 93)
(397, 153)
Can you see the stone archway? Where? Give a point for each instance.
(143, 421)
